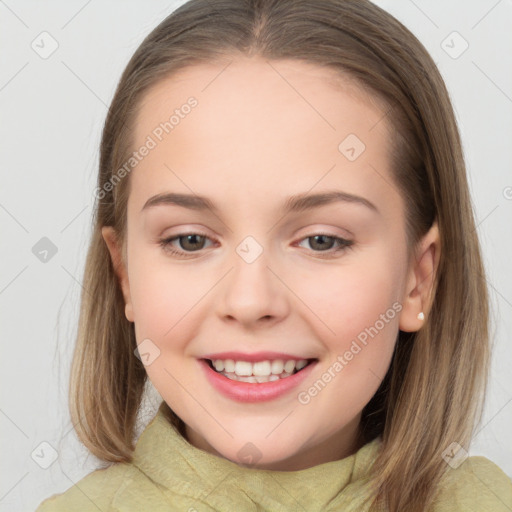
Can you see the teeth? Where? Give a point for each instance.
(252, 379)
(267, 379)
(277, 367)
(218, 364)
(229, 365)
(243, 368)
(256, 379)
(261, 371)
(289, 366)
(261, 368)
(300, 364)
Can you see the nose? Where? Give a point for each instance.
(253, 293)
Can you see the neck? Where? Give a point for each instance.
(337, 446)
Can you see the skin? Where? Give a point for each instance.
(262, 132)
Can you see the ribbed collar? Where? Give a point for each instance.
(180, 468)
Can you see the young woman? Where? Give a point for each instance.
(284, 245)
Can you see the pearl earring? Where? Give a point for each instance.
(421, 316)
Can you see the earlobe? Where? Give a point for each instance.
(418, 294)
(109, 236)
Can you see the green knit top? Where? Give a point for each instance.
(168, 473)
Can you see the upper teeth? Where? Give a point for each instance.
(260, 369)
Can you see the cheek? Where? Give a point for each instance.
(359, 313)
(163, 297)
(166, 303)
(356, 302)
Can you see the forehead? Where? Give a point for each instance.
(261, 125)
(249, 86)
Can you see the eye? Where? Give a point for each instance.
(190, 242)
(324, 242)
(194, 242)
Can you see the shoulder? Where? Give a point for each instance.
(93, 492)
(477, 484)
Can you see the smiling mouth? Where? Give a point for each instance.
(259, 372)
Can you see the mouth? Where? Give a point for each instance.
(259, 372)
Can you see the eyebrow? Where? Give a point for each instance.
(295, 203)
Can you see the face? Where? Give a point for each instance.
(242, 273)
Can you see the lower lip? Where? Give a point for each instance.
(254, 392)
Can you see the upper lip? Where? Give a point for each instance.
(254, 357)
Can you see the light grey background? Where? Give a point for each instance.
(52, 113)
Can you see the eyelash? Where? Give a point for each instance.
(343, 245)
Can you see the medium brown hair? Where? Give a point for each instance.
(433, 392)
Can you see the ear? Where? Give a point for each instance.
(420, 280)
(109, 235)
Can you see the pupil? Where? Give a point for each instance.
(193, 237)
(322, 238)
